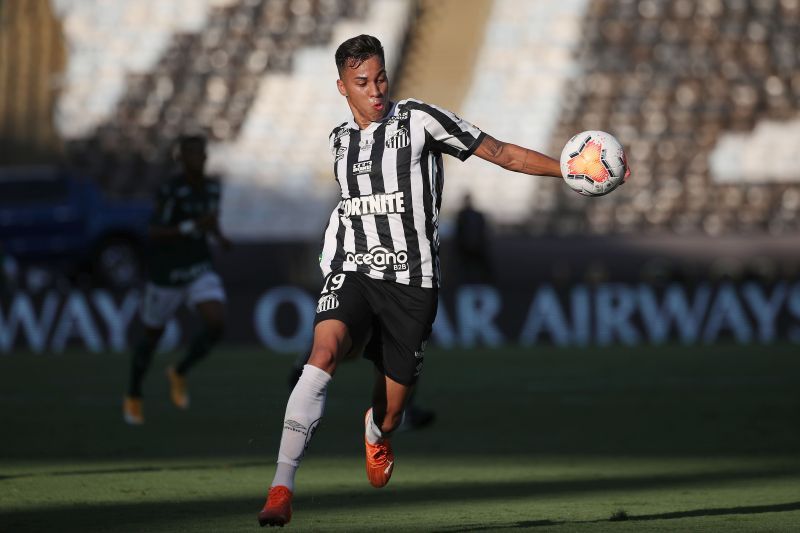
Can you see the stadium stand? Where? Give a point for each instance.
(526, 60)
(700, 93)
(247, 73)
(280, 162)
(31, 55)
(439, 58)
(672, 79)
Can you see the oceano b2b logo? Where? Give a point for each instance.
(379, 258)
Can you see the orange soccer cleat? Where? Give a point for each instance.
(178, 390)
(132, 411)
(380, 459)
(278, 509)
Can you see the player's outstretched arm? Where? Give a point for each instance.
(516, 158)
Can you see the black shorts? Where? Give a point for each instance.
(390, 320)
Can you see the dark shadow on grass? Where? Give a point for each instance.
(137, 470)
(524, 524)
(695, 513)
(169, 515)
(718, 511)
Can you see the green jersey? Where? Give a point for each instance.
(180, 260)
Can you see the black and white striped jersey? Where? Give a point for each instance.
(391, 178)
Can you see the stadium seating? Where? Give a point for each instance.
(519, 76)
(256, 76)
(673, 80)
(699, 93)
(279, 166)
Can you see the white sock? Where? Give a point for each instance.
(303, 413)
(371, 430)
(284, 475)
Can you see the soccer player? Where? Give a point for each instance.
(180, 271)
(380, 256)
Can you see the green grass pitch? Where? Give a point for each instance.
(613, 439)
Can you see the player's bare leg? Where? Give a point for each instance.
(132, 408)
(388, 401)
(212, 314)
(303, 412)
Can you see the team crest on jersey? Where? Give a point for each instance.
(362, 167)
(340, 153)
(327, 302)
(365, 144)
(399, 139)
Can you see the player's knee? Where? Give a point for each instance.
(324, 358)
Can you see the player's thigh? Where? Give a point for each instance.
(343, 299)
(406, 323)
(159, 304)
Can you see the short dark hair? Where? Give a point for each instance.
(356, 50)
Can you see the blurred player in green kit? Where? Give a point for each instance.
(180, 272)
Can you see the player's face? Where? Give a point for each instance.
(193, 157)
(366, 88)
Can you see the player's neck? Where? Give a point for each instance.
(364, 123)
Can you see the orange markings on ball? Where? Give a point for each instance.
(588, 163)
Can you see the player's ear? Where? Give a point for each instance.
(340, 86)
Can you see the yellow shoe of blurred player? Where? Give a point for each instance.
(178, 390)
(132, 411)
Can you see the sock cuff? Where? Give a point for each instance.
(372, 431)
(319, 376)
(282, 459)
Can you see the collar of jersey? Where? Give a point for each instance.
(373, 125)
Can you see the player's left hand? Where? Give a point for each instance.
(627, 167)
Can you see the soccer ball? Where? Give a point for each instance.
(593, 163)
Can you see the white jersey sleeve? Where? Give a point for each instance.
(449, 133)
